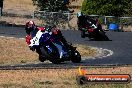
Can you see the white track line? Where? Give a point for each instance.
(103, 53)
(11, 37)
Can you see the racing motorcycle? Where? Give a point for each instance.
(51, 48)
(93, 32)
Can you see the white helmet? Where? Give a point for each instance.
(79, 14)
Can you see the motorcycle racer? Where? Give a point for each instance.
(84, 20)
(31, 30)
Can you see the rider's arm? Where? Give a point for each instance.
(27, 30)
(41, 28)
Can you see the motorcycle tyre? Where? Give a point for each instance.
(55, 56)
(41, 58)
(76, 58)
(103, 37)
(82, 34)
(52, 57)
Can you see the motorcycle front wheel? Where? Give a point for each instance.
(43, 55)
(76, 58)
(55, 56)
(42, 58)
(82, 34)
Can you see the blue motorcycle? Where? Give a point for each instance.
(51, 48)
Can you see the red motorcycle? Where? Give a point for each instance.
(94, 32)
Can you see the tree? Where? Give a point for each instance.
(51, 5)
(105, 7)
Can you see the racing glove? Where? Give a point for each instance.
(28, 38)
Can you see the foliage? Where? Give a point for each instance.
(105, 7)
(51, 5)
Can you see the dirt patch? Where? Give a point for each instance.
(20, 6)
(15, 51)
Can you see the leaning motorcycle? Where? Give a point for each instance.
(51, 48)
(93, 32)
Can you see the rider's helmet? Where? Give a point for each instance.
(30, 24)
(48, 28)
(79, 14)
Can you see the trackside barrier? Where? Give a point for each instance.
(53, 18)
(64, 20)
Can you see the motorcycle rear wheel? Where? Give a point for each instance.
(103, 37)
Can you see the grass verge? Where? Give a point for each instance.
(57, 78)
(16, 51)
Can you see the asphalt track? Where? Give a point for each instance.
(121, 45)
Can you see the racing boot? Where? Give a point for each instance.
(32, 48)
